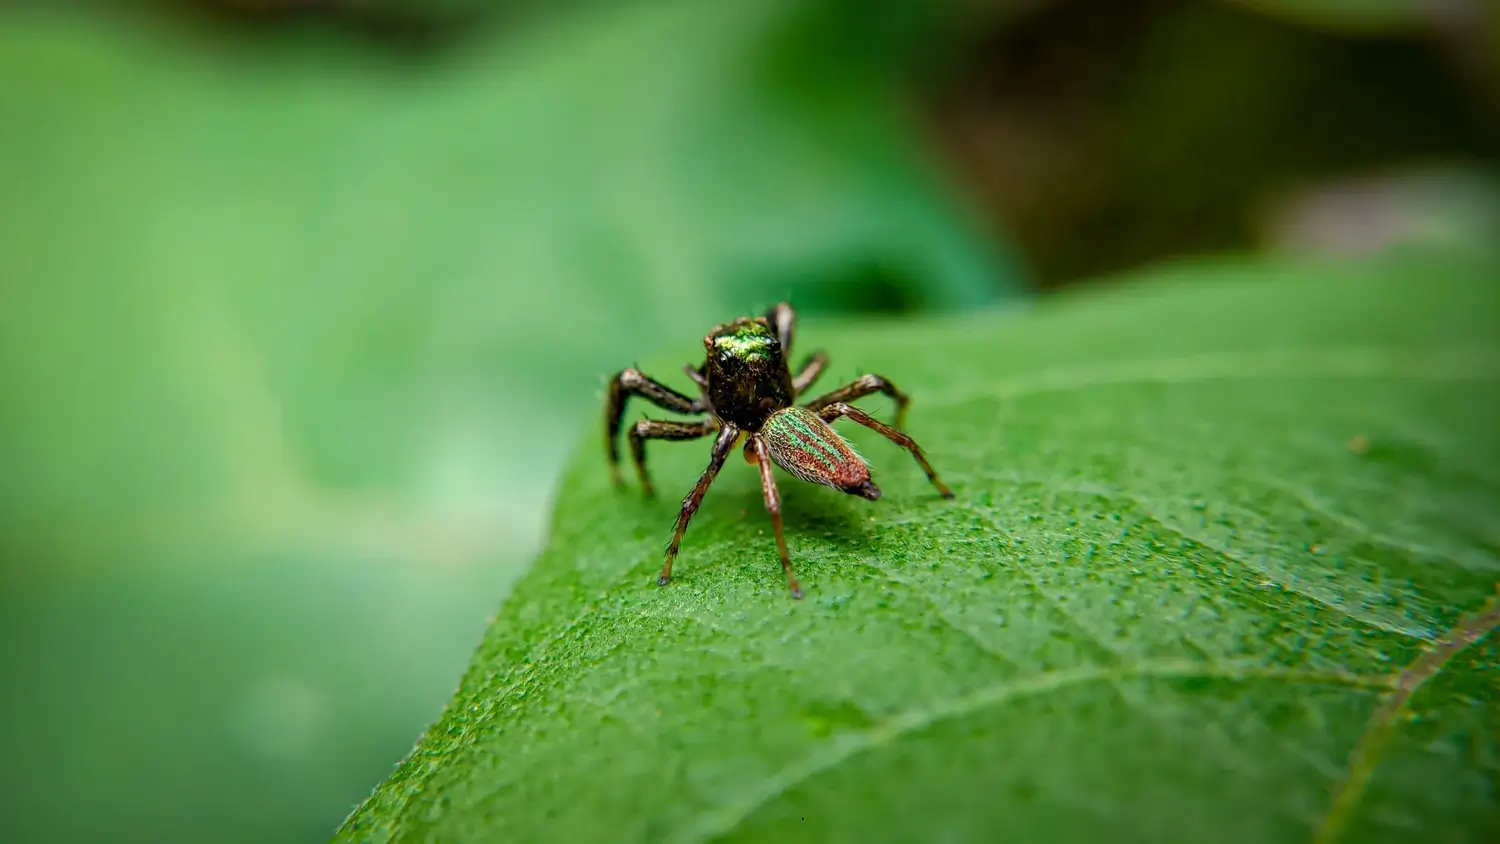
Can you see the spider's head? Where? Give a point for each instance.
(746, 371)
(743, 347)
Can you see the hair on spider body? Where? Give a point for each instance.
(746, 370)
(747, 390)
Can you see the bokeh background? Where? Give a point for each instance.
(304, 304)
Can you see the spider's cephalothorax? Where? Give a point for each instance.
(747, 374)
(747, 390)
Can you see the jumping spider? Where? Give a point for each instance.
(747, 390)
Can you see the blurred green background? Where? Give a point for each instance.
(303, 304)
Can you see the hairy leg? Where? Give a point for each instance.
(722, 445)
(783, 321)
(655, 429)
(773, 506)
(632, 383)
(839, 409)
(860, 387)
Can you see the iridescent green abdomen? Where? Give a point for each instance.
(800, 442)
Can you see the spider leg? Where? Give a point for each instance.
(840, 409)
(811, 369)
(632, 383)
(722, 446)
(863, 386)
(784, 320)
(773, 506)
(656, 429)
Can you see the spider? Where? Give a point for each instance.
(748, 391)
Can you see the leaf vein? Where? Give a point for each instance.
(1316, 504)
(1289, 583)
(941, 615)
(1385, 721)
(829, 754)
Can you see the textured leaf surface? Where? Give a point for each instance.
(1202, 528)
(1220, 568)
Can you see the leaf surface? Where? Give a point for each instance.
(1221, 567)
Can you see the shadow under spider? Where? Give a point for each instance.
(806, 511)
(736, 498)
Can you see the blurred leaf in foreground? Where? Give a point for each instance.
(1221, 567)
(286, 333)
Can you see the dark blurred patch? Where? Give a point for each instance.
(872, 288)
(1107, 135)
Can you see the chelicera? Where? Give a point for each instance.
(747, 390)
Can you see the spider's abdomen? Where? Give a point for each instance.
(800, 442)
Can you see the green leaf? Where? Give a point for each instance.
(1222, 558)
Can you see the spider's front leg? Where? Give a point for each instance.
(773, 506)
(722, 446)
(838, 409)
(655, 429)
(783, 320)
(860, 387)
(632, 382)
